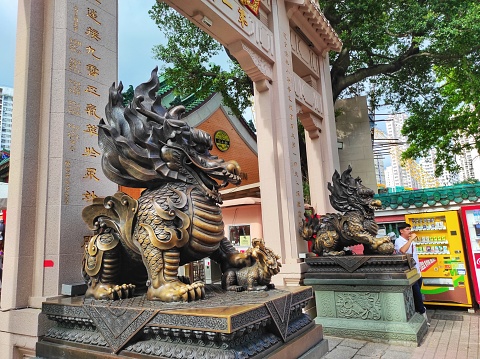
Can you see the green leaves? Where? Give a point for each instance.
(189, 70)
(423, 57)
(418, 56)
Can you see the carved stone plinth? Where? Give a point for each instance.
(264, 324)
(366, 297)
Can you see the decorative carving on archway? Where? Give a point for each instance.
(311, 123)
(298, 10)
(307, 96)
(256, 67)
(304, 53)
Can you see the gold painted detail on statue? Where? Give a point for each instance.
(116, 212)
(171, 237)
(207, 229)
(94, 250)
(165, 241)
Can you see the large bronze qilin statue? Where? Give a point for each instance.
(332, 232)
(177, 218)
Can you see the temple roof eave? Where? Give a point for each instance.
(318, 22)
(426, 199)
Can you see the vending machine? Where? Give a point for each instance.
(471, 229)
(442, 258)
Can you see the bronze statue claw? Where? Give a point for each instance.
(199, 290)
(104, 291)
(236, 288)
(176, 291)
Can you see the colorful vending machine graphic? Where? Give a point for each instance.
(442, 258)
(471, 228)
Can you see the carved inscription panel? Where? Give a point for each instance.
(91, 46)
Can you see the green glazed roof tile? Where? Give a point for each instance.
(431, 197)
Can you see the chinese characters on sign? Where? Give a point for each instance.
(91, 174)
(292, 119)
(89, 196)
(66, 191)
(242, 18)
(83, 100)
(242, 14)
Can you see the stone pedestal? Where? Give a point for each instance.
(268, 324)
(366, 297)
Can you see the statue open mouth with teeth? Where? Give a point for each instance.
(176, 220)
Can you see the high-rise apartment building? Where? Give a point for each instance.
(6, 108)
(389, 180)
(379, 165)
(428, 165)
(421, 173)
(476, 165)
(399, 175)
(467, 161)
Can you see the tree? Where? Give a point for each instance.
(418, 56)
(448, 120)
(128, 95)
(188, 52)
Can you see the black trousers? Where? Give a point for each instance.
(417, 297)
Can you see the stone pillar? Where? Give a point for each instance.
(320, 137)
(268, 170)
(287, 187)
(329, 141)
(316, 162)
(65, 62)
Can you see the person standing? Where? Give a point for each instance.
(405, 245)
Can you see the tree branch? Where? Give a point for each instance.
(342, 82)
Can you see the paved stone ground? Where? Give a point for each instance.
(453, 334)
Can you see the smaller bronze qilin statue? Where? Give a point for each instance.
(332, 232)
(258, 275)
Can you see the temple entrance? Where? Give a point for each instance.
(283, 47)
(65, 63)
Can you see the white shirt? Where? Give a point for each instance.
(400, 242)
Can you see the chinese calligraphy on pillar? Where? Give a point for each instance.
(89, 73)
(293, 132)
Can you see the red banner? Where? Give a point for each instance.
(477, 260)
(427, 263)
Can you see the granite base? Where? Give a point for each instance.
(366, 297)
(270, 324)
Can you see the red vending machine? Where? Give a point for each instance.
(471, 229)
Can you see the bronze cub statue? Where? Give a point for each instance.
(258, 275)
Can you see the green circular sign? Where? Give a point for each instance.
(222, 141)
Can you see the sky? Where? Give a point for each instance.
(137, 36)
(8, 24)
